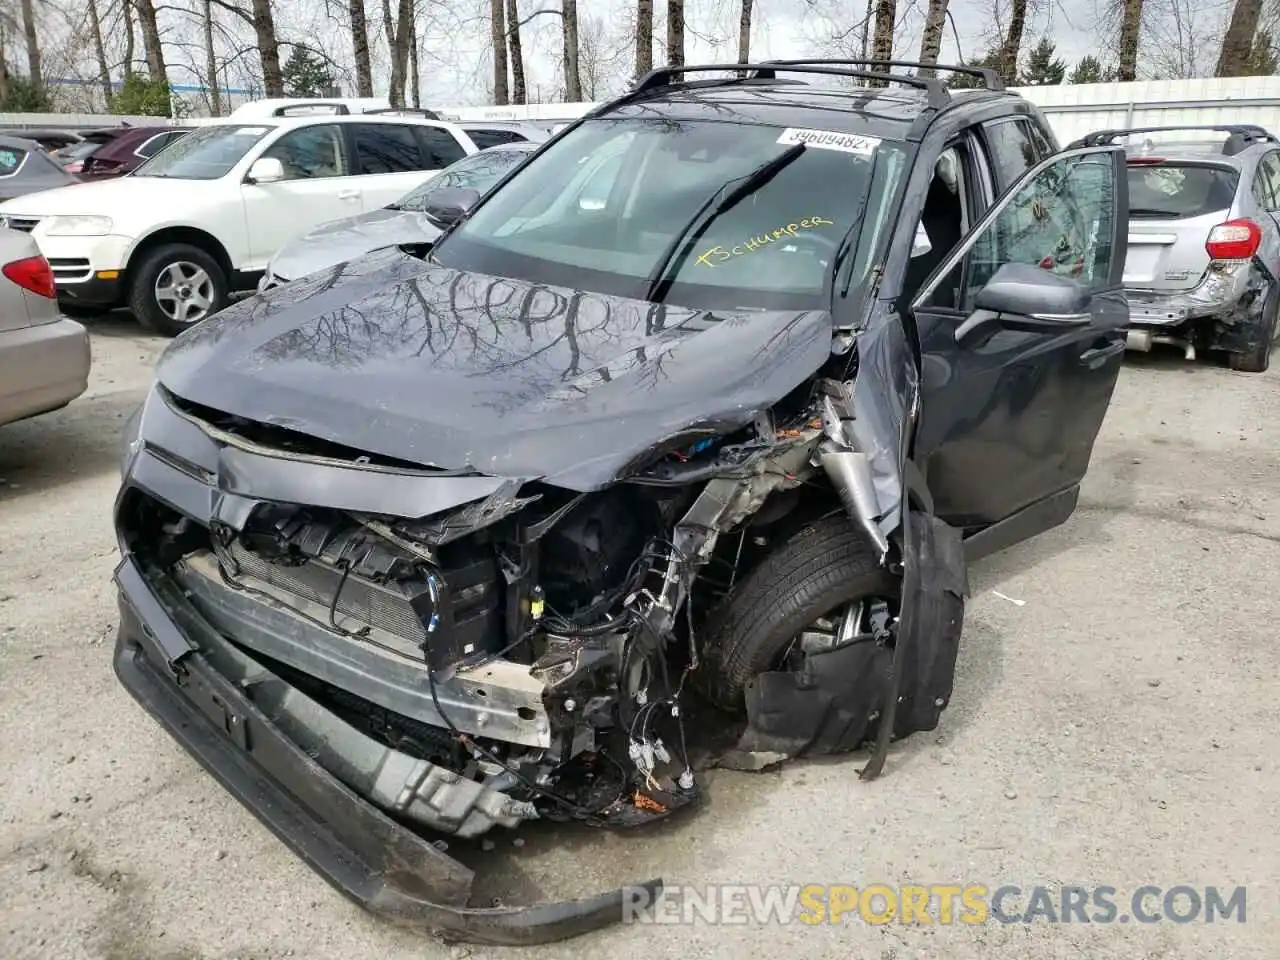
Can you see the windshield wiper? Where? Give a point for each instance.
(1152, 213)
(673, 257)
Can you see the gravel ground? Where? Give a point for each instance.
(1116, 726)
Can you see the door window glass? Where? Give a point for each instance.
(10, 161)
(1063, 219)
(1042, 144)
(1013, 152)
(439, 148)
(386, 148)
(479, 172)
(152, 146)
(1270, 169)
(1179, 191)
(492, 138)
(311, 153)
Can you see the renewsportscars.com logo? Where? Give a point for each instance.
(943, 904)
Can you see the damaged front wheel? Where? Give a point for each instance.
(826, 571)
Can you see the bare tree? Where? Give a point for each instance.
(744, 32)
(360, 47)
(1237, 43)
(126, 18)
(1012, 45)
(597, 64)
(397, 32)
(882, 45)
(644, 37)
(100, 52)
(498, 37)
(516, 52)
(211, 63)
(1182, 38)
(146, 11)
(1130, 27)
(675, 32)
(415, 79)
(33, 44)
(935, 21)
(264, 31)
(261, 19)
(569, 45)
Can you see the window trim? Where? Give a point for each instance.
(989, 144)
(988, 217)
(1270, 177)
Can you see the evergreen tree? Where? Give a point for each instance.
(306, 75)
(22, 96)
(990, 60)
(140, 96)
(1043, 68)
(1091, 70)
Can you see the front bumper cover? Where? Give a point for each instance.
(384, 867)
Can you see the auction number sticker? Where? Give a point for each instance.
(831, 140)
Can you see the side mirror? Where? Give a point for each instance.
(1021, 296)
(265, 170)
(448, 205)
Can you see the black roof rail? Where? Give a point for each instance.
(990, 78)
(340, 109)
(939, 96)
(426, 114)
(1240, 135)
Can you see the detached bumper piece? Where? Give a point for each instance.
(384, 867)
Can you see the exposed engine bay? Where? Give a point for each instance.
(533, 653)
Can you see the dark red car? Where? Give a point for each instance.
(115, 151)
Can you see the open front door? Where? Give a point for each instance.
(1022, 334)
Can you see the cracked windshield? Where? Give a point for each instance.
(700, 213)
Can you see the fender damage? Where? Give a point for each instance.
(370, 648)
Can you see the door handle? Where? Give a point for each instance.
(1097, 356)
(348, 194)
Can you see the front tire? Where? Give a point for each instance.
(826, 566)
(175, 287)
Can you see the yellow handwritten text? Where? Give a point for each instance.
(719, 254)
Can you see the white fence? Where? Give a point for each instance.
(1076, 109)
(1072, 109)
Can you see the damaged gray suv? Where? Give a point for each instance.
(702, 412)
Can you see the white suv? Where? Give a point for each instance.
(201, 218)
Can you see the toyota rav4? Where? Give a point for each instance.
(720, 391)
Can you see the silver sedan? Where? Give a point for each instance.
(44, 358)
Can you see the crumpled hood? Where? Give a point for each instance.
(338, 240)
(451, 369)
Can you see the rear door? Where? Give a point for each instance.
(1008, 422)
(1173, 204)
(393, 158)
